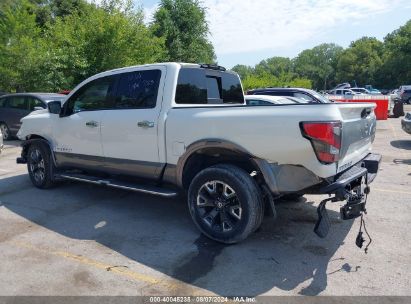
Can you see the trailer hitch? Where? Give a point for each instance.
(354, 207)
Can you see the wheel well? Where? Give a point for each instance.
(34, 136)
(27, 144)
(208, 157)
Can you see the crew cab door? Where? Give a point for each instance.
(77, 134)
(130, 129)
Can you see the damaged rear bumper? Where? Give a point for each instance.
(368, 168)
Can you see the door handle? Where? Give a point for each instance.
(146, 124)
(92, 124)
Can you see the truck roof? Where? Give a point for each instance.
(167, 64)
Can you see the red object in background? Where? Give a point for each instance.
(65, 92)
(381, 111)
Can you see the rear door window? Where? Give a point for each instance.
(201, 86)
(18, 102)
(137, 90)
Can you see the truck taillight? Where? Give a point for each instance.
(325, 138)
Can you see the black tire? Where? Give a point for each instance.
(5, 131)
(225, 218)
(40, 166)
(292, 197)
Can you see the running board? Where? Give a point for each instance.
(118, 184)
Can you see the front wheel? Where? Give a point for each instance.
(225, 203)
(40, 166)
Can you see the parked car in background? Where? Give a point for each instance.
(344, 85)
(343, 92)
(1, 141)
(405, 93)
(372, 90)
(310, 96)
(267, 100)
(65, 92)
(14, 107)
(394, 94)
(361, 90)
(406, 123)
(2, 93)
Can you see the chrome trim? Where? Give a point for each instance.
(145, 124)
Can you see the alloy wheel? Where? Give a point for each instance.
(218, 206)
(37, 167)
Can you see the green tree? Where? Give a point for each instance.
(396, 69)
(109, 36)
(361, 62)
(243, 70)
(264, 80)
(19, 48)
(318, 64)
(183, 25)
(276, 66)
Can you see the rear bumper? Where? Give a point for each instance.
(367, 167)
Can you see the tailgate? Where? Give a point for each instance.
(358, 132)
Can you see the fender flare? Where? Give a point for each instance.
(262, 165)
(25, 145)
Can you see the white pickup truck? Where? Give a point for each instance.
(166, 127)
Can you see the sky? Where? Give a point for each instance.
(246, 32)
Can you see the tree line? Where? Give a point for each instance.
(384, 64)
(51, 45)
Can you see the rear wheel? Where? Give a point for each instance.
(40, 166)
(225, 203)
(5, 131)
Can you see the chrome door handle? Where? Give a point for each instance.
(92, 124)
(146, 124)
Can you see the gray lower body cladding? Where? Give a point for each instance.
(282, 179)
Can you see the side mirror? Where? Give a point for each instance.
(54, 107)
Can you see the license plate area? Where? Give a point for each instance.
(356, 200)
(352, 209)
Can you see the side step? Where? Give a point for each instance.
(118, 184)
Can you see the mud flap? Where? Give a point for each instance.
(322, 227)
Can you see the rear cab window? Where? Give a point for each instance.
(199, 86)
